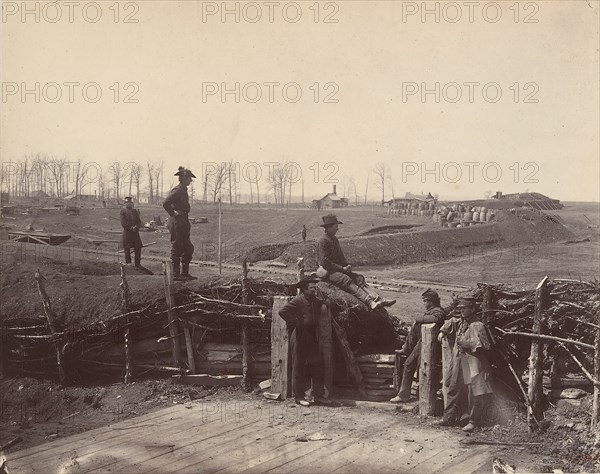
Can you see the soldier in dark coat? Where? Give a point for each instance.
(412, 347)
(301, 314)
(177, 206)
(334, 268)
(470, 377)
(130, 220)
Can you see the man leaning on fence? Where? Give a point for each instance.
(333, 267)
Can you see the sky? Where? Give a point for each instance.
(458, 99)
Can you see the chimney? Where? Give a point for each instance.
(334, 189)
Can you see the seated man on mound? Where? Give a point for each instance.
(334, 268)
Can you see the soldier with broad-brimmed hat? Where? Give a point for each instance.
(334, 267)
(412, 347)
(302, 314)
(470, 378)
(131, 223)
(177, 204)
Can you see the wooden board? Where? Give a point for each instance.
(281, 361)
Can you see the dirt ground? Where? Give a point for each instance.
(39, 410)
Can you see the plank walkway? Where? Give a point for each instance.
(259, 436)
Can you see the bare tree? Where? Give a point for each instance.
(116, 172)
(380, 175)
(158, 171)
(56, 168)
(352, 186)
(215, 178)
(150, 168)
(367, 187)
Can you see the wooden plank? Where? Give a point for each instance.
(470, 461)
(281, 373)
(535, 387)
(428, 370)
(205, 446)
(351, 365)
(122, 458)
(172, 316)
(206, 379)
(326, 348)
(377, 359)
(596, 396)
(303, 455)
(98, 439)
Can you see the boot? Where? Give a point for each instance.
(362, 295)
(185, 272)
(177, 272)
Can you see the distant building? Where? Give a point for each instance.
(533, 200)
(330, 201)
(410, 198)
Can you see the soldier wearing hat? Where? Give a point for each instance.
(177, 205)
(334, 267)
(131, 223)
(301, 314)
(470, 377)
(412, 347)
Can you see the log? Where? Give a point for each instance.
(377, 358)
(125, 297)
(326, 347)
(245, 342)
(51, 318)
(189, 347)
(398, 369)
(428, 370)
(596, 399)
(546, 337)
(172, 316)
(535, 388)
(208, 380)
(281, 360)
(351, 364)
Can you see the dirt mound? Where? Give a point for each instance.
(81, 293)
(523, 227)
(389, 229)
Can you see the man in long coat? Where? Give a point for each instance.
(470, 372)
(301, 314)
(131, 223)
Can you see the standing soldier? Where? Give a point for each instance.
(304, 233)
(130, 220)
(177, 205)
(301, 314)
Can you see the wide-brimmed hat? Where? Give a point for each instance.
(466, 302)
(305, 280)
(330, 219)
(429, 294)
(184, 172)
(128, 199)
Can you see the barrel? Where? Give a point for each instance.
(468, 216)
(476, 216)
(483, 216)
(483, 209)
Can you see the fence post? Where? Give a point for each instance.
(535, 387)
